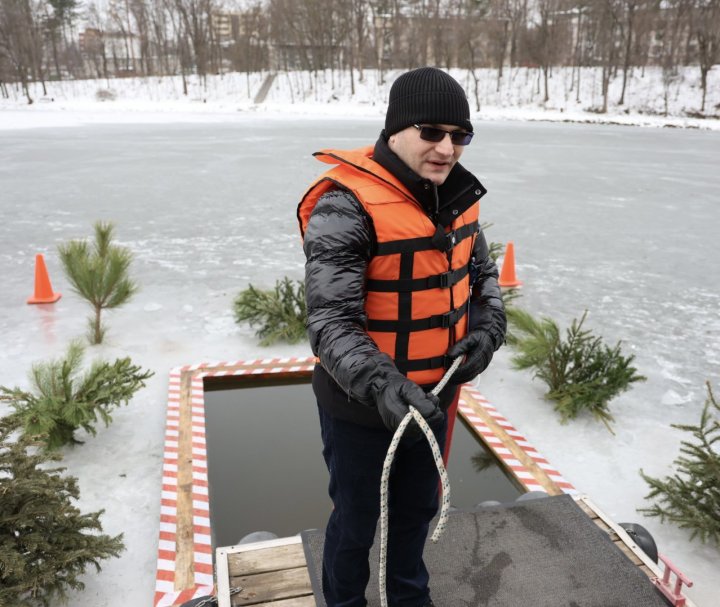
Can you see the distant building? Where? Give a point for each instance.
(116, 52)
(222, 25)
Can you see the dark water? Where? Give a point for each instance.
(267, 473)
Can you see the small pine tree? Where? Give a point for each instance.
(99, 274)
(581, 372)
(281, 313)
(46, 543)
(691, 496)
(64, 401)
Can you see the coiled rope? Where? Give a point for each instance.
(384, 480)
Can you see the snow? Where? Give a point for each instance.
(197, 242)
(230, 97)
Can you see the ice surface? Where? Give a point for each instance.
(619, 221)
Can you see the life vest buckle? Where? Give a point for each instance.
(444, 241)
(445, 279)
(451, 240)
(446, 320)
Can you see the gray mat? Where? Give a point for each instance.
(540, 553)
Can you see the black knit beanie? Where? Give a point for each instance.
(426, 95)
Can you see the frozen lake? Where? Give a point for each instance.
(620, 221)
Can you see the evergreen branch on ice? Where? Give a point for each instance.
(690, 497)
(280, 314)
(63, 400)
(46, 543)
(581, 372)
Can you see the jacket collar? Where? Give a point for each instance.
(442, 203)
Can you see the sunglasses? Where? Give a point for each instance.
(431, 133)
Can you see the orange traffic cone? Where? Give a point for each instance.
(507, 274)
(43, 288)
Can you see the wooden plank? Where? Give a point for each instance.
(628, 553)
(587, 509)
(268, 559)
(508, 442)
(222, 576)
(184, 555)
(273, 586)
(600, 523)
(595, 517)
(299, 601)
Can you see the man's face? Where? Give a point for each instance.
(430, 160)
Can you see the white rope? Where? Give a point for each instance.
(384, 480)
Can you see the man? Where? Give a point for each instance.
(398, 283)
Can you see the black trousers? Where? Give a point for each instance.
(354, 456)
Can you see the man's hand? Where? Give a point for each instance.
(394, 399)
(478, 349)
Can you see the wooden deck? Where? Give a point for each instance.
(271, 574)
(275, 574)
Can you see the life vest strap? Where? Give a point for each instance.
(426, 243)
(405, 285)
(444, 321)
(423, 364)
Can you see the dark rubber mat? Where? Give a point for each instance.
(539, 553)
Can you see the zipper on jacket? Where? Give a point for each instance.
(448, 255)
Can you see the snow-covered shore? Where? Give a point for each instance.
(232, 96)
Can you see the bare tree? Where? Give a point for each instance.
(706, 29)
(139, 11)
(469, 36)
(546, 39)
(19, 41)
(195, 16)
(161, 28)
(605, 21)
(356, 12)
(518, 14)
(499, 33)
(673, 26)
(384, 17)
(627, 29)
(94, 43)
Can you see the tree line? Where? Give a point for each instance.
(43, 40)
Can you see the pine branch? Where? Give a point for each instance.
(46, 543)
(64, 400)
(690, 497)
(582, 373)
(279, 314)
(99, 274)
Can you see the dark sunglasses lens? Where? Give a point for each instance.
(429, 133)
(461, 138)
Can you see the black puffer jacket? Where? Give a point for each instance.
(339, 242)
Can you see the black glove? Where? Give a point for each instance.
(478, 348)
(394, 398)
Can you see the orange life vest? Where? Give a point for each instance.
(417, 294)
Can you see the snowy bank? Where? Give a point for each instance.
(330, 94)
